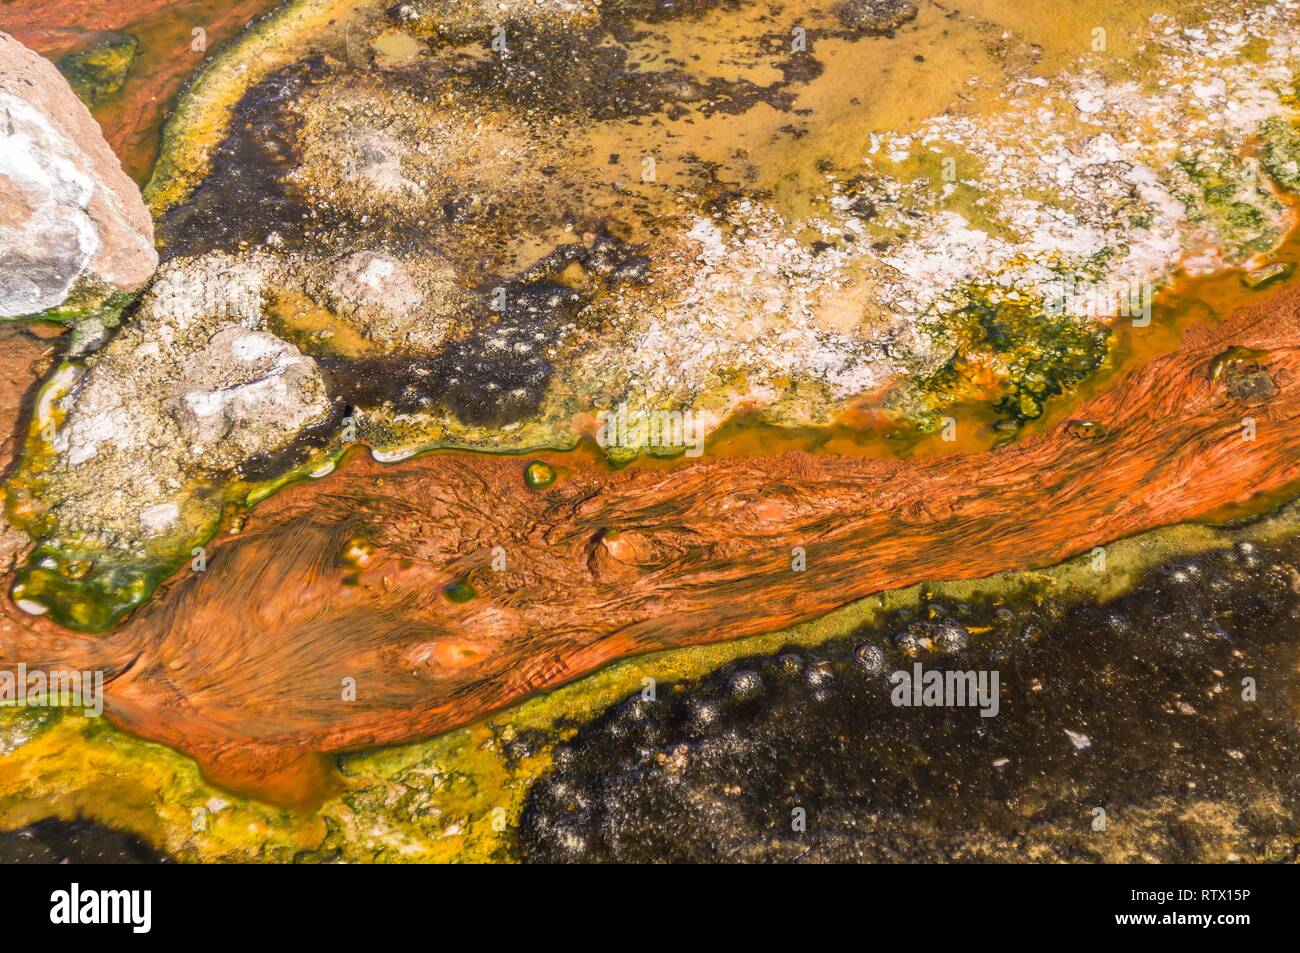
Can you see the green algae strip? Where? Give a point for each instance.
(458, 797)
(99, 73)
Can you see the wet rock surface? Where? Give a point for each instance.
(1125, 731)
(73, 228)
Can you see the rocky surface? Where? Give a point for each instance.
(794, 305)
(484, 246)
(876, 17)
(1136, 708)
(193, 372)
(73, 229)
(321, 308)
(411, 307)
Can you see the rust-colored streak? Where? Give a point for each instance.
(243, 666)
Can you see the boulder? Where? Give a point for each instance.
(186, 393)
(73, 228)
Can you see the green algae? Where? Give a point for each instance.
(1230, 201)
(90, 600)
(20, 725)
(99, 73)
(1016, 354)
(954, 180)
(1280, 152)
(90, 306)
(121, 580)
(460, 592)
(88, 584)
(538, 475)
(441, 799)
(81, 582)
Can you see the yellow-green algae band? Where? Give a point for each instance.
(201, 116)
(458, 797)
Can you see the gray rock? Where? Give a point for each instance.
(244, 392)
(73, 228)
(192, 388)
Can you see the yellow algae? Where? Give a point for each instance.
(201, 118)
(395, 48)
(311, 326)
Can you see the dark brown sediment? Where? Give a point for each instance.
(1124, 730)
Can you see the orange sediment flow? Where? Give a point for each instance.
(245, 666)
